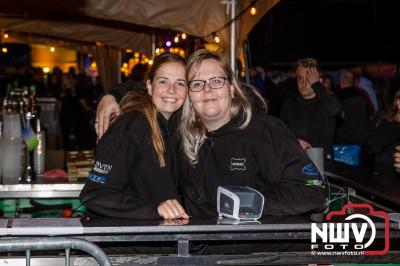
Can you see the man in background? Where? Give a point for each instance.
(312, 113)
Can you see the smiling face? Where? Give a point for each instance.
(168, 88)
(211, 105)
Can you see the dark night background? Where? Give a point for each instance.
(338, 33)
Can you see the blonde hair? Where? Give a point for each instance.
(141, 101)
(192, 129)
(307, 63)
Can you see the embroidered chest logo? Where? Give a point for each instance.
(102, 168)
(310, 169)
(238, 164)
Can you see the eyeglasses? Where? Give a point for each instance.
(165, 83)
(214, 83)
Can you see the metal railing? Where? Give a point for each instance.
(53, 243)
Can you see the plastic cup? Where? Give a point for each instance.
(317, 157)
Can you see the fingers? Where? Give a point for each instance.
(396, 158)
(171, 209)
(107, 106)
(304, 144)
(175, 222)
(312, 75)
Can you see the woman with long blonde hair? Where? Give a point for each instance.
(134, 174)
(225, 142)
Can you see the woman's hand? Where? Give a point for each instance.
(304, 144)
(106, 108)
(396, 159)
(175, 222)
(171, 209)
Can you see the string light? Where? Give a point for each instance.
(168, 43)
(129, 51)
(176, 39)
(253, 9)
(52, 49)
(136, 55)
(183, 36)
(46, 70)
(125, 65)
(4, 50)
(157, 50)
(5, 36)
(150, 62)
(215, 37)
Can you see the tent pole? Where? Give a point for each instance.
(153, 44)
(233, 35)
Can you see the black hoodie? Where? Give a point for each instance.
(265, 156)
(127, 180)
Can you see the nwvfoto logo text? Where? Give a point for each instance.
(356, 235)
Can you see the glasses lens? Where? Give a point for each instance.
(196, 85)
(217, 83)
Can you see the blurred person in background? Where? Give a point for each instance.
(382, 140)
(69, 113)
(352, 126)
(312, 113)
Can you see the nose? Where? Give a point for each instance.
(207, 87)
(172, 88)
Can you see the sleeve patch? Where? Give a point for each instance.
(97, 179)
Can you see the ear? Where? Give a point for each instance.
(149, 87)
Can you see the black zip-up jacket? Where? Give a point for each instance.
(265, 156)
(127, 180)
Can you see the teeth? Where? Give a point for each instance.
(170, 100)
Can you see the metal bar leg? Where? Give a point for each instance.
(28, 257)
(183, 248)
(67, 256)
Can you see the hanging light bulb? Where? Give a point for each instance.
(176, 39)
(168, 43)
(183, 36)
(215, 37)
(4, 50)
(157, 50)
(253, 9)
(52, 49)
(5, 36)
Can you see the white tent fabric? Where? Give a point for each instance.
(194, 17)
(198, 18)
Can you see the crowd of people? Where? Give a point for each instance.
(357, 111)
(77, 96)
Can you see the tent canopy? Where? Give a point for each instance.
(122, 23)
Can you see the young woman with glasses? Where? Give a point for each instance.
(226, 143)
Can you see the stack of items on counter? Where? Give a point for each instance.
(79, 163)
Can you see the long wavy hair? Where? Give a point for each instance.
(393, 115)
(192, 129)
(141, 101)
